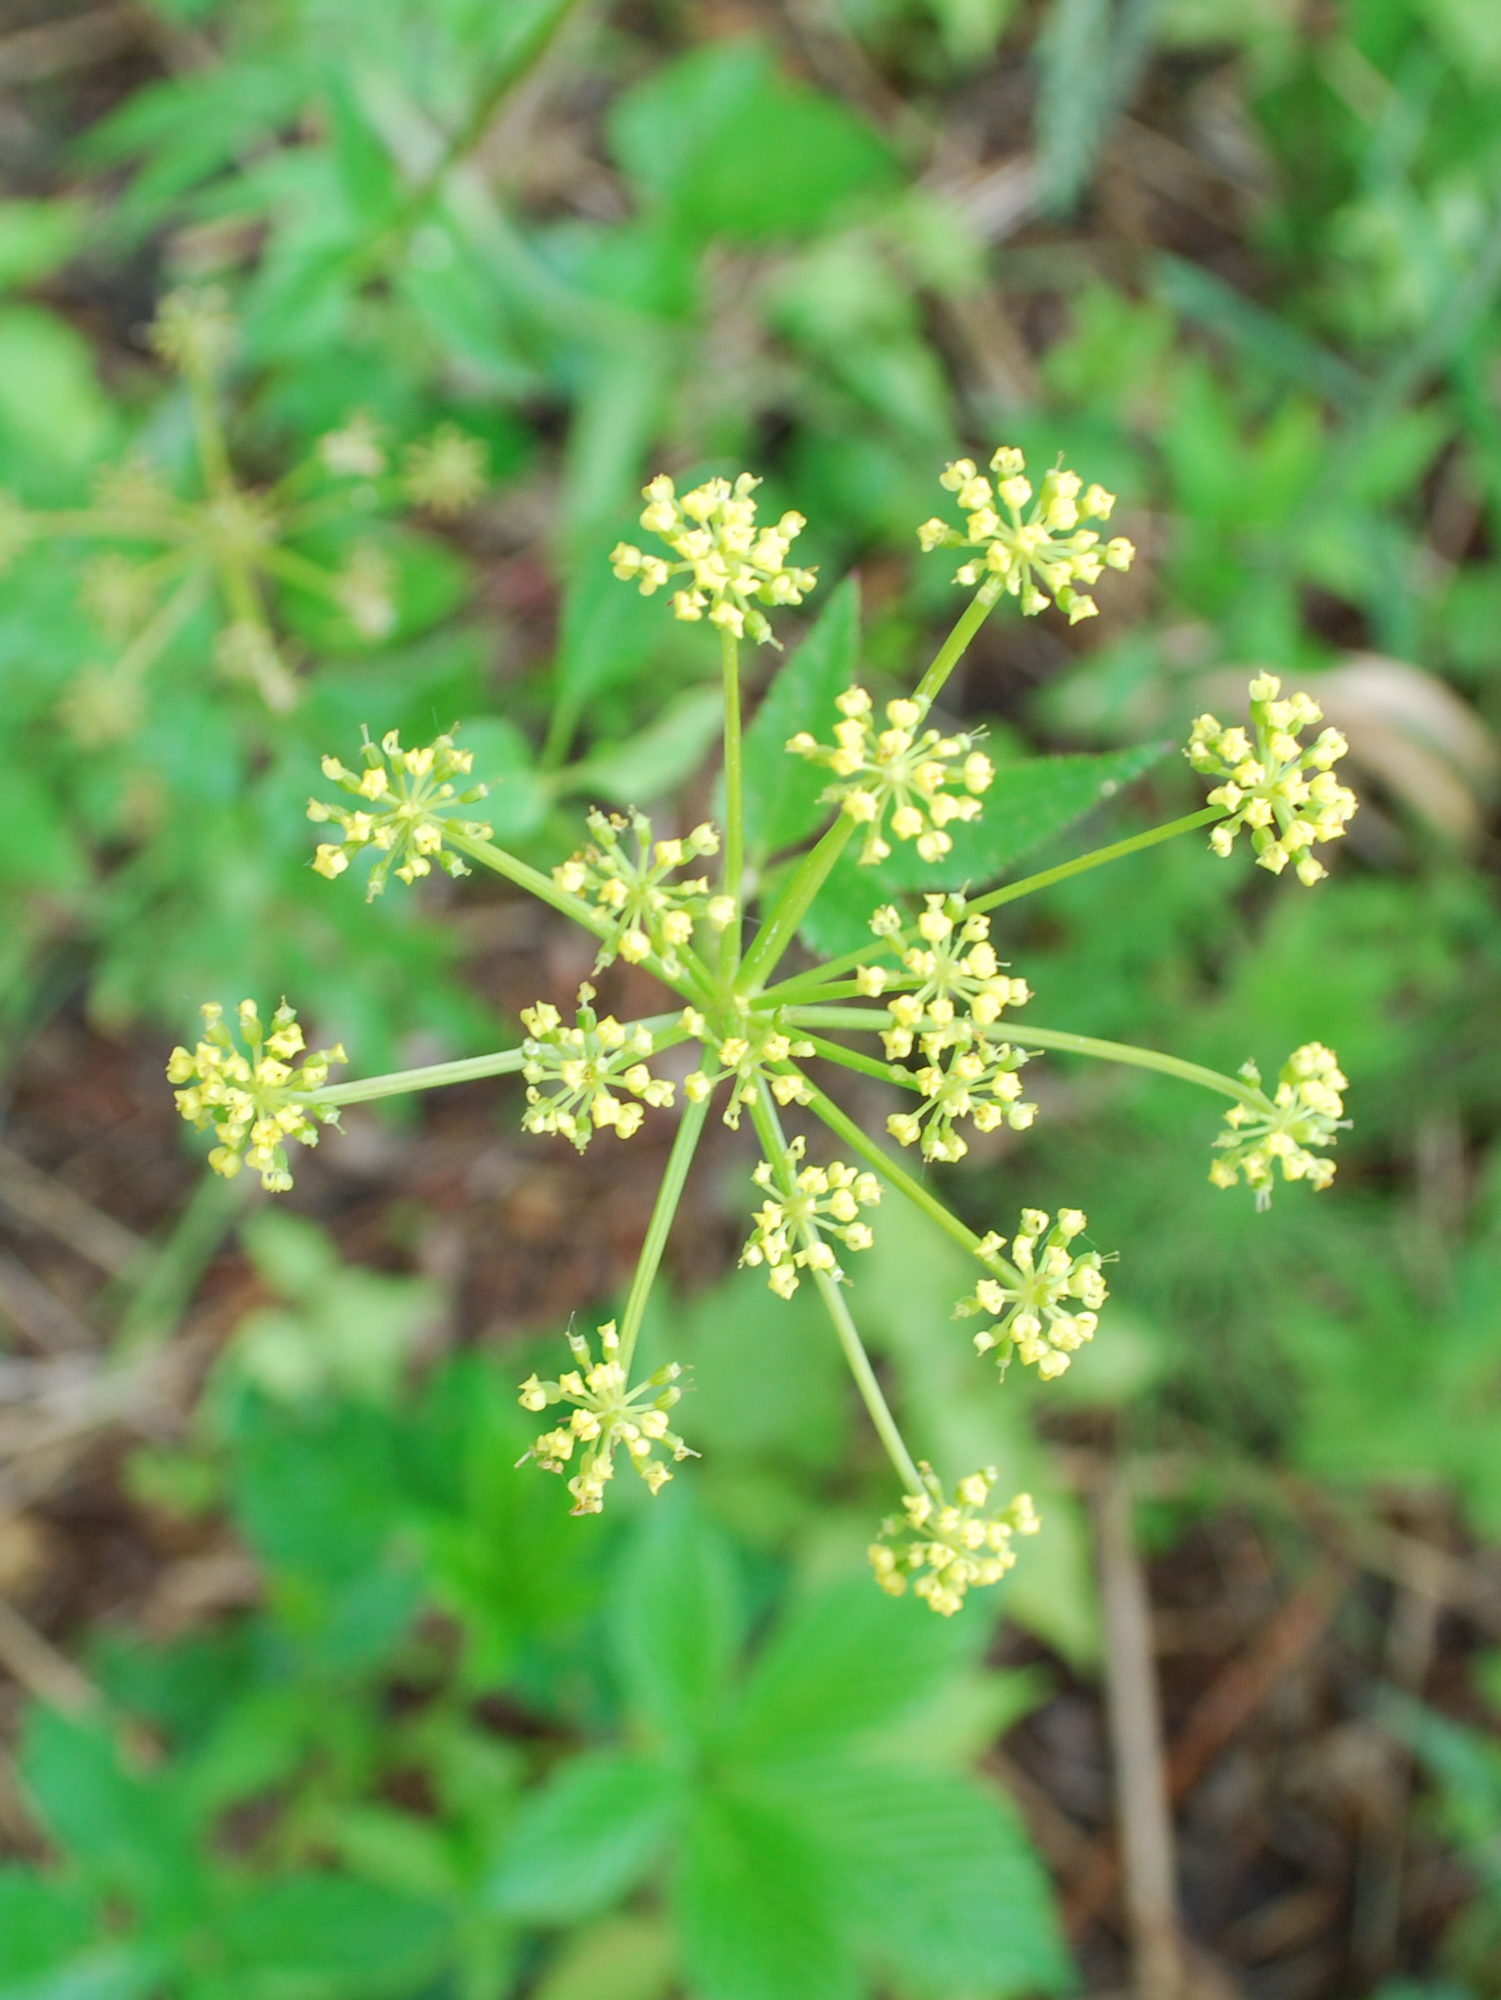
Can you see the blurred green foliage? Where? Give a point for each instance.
(1299, 406)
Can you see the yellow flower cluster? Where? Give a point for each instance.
(573, 1074)
(1268, 787)
(1032, 1298)
(917, 778)
(258, 1098)
(405, 815)
(945, 1548)
(647, 913)
(954, 966)
(194, 330)
(827, 1199)
(1307, 1110)
(606, 1416)
(1037, 556)
(444, 473)
(965, 1076)
(748, 1059)
(730, 565)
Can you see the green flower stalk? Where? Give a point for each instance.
(919, 1008)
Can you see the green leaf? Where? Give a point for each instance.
(781, 791)
(677, 1622)
(842, 1667)
(320, 1937)
(36, 237)
(738, 150)
(655, 761)
(123, 1831)
(935, 1879)
(623, 1958)
(44, 1923)
(587, 1838)
(755, 1909)
(517, 804)
(1030, 802)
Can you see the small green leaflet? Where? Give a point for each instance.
(1030, 802)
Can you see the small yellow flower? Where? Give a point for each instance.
(945, 1548)
(728, 565)
(966, 1075)
(953, 966)
(1268, 787)
(607, 1416)
(1036, 555)
(921, 778)
(409, 798)
(792, 1223)
(647, 912)
(258, 1098)
(1307, 1110)
(575, 1076)
(1036, 1298)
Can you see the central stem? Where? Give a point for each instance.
(769, 1126)
(734, 798)
(669, 1194)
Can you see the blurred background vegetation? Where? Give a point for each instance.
(307, 1695)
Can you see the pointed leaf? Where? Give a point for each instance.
(658, 758)
(330, 1936)
(755, 1912)
(1030, 801)
(782, 791)
(936, 1879)
(677, 1622)
(586, 1839)
(842, 1667)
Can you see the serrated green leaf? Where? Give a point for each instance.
(120, 1829)
(936, 1882)
(1030, 802)
(587, 1838)
(782, 791)
(676, 1623)
(322, 1937)
(755, 1909)
(840, 1668)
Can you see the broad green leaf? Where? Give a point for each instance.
(1031, 801)
(587, 1838)
(608, 630)
(121, 1829)
(654, 762)
(676, 1621)
(781, 791)
(36, 237)
(44, 1922)
(53, 415)
(756, 1909)
(322, 1937)
(934, 1878)
(840, 1668)
(738, 150)
(622, 1958)
(503, 760)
